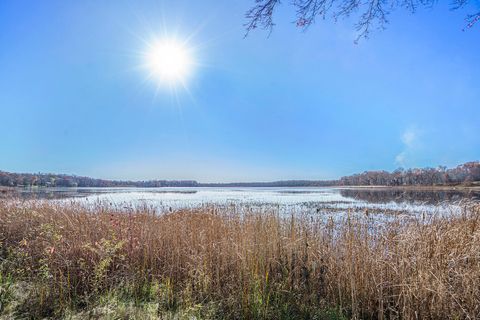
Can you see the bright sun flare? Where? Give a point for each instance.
(169, 61)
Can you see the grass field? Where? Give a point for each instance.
(68, 261)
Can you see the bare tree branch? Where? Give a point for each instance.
(371, 13)
(472, 19)
(375, 13)
(261, 15)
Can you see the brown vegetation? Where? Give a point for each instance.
(223, 264)
(467, 174)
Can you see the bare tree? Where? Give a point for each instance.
(371, 13)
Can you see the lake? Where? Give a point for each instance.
(336, 200)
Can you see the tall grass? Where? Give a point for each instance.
(213, 263)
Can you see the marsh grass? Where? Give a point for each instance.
(66, 260)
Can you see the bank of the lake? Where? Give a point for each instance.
(65, 260)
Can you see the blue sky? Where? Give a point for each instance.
(294, 105)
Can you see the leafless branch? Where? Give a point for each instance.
(472, 19)
(371, 13)
(261, 15)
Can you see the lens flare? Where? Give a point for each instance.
(169, 61)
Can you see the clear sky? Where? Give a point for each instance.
(296, 105)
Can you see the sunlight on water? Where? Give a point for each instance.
(331, 201)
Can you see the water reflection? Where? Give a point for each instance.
(67, 193)
(430, 197)
(315, 200)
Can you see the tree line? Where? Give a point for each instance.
(63, 180)
(465, 174)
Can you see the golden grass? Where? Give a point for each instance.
(249, 265)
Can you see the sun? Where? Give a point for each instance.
(169, 61)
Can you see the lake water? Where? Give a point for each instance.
(287, 200)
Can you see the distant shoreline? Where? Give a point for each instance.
(413, 187)
(375, 187)
(462, 177)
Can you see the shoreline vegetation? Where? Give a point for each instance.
(464, 175)
(71, 261)
(472, 186)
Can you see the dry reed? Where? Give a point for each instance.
(249, 265)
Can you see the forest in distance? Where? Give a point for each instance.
(467, 174)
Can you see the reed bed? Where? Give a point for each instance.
(67, 260)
